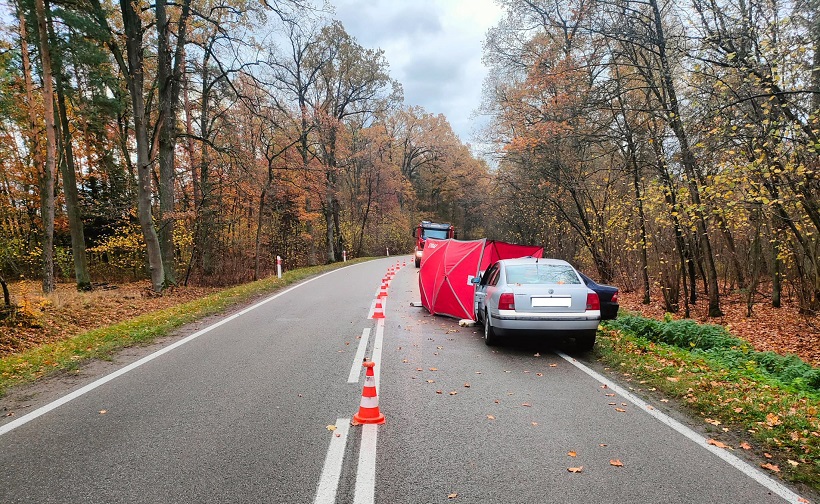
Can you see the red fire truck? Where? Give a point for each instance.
(427, 229)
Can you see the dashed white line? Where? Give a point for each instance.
(107, 378)
(366, 472)
(771, 484)
(356, 368)
(329, 480)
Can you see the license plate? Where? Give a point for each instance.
(563, 302)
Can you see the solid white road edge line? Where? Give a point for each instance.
(366, 472)
(332, 470)
(107, 378)
(774, 486)
(356, 368)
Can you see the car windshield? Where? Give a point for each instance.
(436, 234)
(541, 274)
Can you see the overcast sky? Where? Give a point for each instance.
(434, 48)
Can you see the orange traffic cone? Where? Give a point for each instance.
(369, 407)
(404, 263)
(382, 292)
(378, 311)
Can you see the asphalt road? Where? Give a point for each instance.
(241, 412)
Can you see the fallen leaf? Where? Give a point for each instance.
(338, 435)
(616, 463)
(771, 467)
(713, 422)
(572, 454)
(602, 444)
(612, 404)
(664, 400)
(452, 496)
(575, 469)
(671, 378)
(433, 369)
(716, 443)
(738, 410)
(431, 381)
(604, 386)
(496, 401)
(404, 360)
(649, 407)
(103, 412)
(793, 463)
(767, 455)
(619, 410)
(466, 385)
(478, 372)
(534, 424)
(331, 427)
(490, 417)
(439, 392)
(526, 404)
(745, 445)
(610, 395)
(453, 392)
(537, 355)
(772, 420)
(539, 374)
(419, 369)
(553, 365)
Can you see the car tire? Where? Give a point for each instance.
(418, 262)
(490, 338)
(586, 341)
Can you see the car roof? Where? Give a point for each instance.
(534, 260)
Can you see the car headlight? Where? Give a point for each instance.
(419, 252)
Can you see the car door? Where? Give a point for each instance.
(481, 291)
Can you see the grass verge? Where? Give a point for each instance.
(103, 342)
(747, 404)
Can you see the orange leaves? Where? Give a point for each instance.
(716, 443)
(575, 469)
(616, 463)
(771, 467)
(745, 445)
(572, 454)
(772, 420)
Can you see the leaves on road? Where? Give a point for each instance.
(575, 469)
(452, 496)
(616, 463)
(490, 417)
(771, 467)
(433, 369)
(331, 427)
(620, 410)
(103, 412)
(572, 454)
(793, 463)
(539, 374)
(453, 392)
(716, 443)
(553, 365)
(745, 445)
(439, 392)
(526, 405)
(466, 385)
(537, 355)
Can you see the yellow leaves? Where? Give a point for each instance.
(773, 420)
(331, 428)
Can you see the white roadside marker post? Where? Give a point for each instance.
(278, 267)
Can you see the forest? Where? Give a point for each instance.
(672, 147)
(195, 141)
(669, 147)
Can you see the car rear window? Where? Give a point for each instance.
(541, 274)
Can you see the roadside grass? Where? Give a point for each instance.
(103, 342)
(754, 400)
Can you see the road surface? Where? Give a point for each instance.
(257, 409)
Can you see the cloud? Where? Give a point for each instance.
(434, 49)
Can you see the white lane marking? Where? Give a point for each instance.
(377, 352)
(773, 485)
(356, 368)
(366, 472)
(329, 480)
(105, 379)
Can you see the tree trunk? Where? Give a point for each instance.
(776, 286)
(132, 24)
(47, 175)
(68, 171)
(689, 164)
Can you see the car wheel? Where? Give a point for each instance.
(586, 341)
(418, 262)
(490, 337)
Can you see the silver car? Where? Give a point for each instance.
(542, 295)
